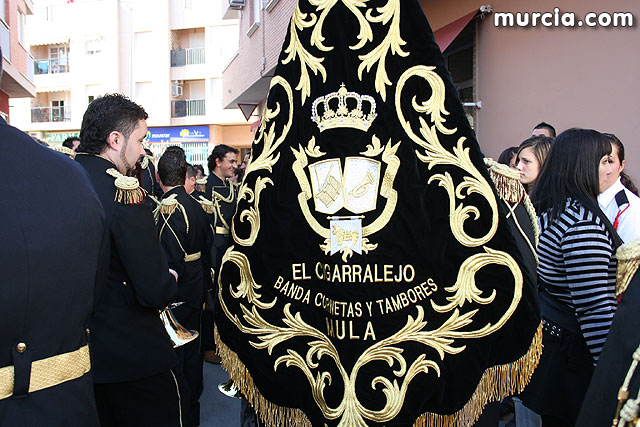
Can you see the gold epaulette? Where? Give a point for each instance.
(511, 190)
(168, 206)
(628, 261)
(507, 181)
(207, 205)
(128, 190)
(201, 185)
(144, 163)
(64, 150)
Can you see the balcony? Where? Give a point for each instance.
(51, 66)
(187, 108)
(188, 56)
(50, 114)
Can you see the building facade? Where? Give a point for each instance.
(17, 63)
(509, 78)
(167, 55)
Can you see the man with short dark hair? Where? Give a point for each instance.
(544, 129)
(72, 142)
(132, 354)
(190, 182)
(183, 230)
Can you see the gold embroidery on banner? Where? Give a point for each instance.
(351, 411)
(296, 50)
(329, 192)
(435, 154)
(312, 150)
(364, 35)
(628, 261)
(392, 41)
(388, 15)
(265, 161)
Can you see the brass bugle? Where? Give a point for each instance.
(178, 334)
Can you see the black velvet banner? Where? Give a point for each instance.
(372, 278)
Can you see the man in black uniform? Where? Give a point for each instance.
(48, 262)
(220, 191)
(183, 231)
(132, 353)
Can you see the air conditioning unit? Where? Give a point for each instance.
(176, 88)
(236, 4)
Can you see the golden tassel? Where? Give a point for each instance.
(270, 413)
(207, 205)
(496, 383)
(201, 185)
(129, 197)
(507, 181)
(628, 261)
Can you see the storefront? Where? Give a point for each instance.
(194, 140)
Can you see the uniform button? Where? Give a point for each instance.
(21, 347)
(87, 331)
(124, 283)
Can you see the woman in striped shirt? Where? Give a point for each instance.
(576, 274)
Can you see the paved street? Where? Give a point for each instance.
(216, 409)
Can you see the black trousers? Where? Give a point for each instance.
(189, 369)
(151, 401)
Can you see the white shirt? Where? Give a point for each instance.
(629, 221)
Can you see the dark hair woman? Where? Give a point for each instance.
(618, 198)
(576, 273)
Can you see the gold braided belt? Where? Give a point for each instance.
(49, 372)
(192, 257)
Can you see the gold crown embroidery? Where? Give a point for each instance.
(343, 116)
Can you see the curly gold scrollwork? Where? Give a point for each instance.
(435, 154)
(365, 34)
(296, 50)
(392, 42)
(264, 161)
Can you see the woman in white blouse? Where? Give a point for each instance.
(618, 198)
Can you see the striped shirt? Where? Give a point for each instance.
(577, 262)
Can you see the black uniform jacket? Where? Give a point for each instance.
(218, 189)
(50, 237)
(128, 340)
(179, 242)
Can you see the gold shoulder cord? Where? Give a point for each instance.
(128, 190)
(217, 198)
(512, 192)
(167, 207)
(628, 261)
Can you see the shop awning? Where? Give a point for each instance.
(445, 35)
(53, 89)
(49, 40)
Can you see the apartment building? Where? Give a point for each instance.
(509, 77)
(167, 55)
(17, 63)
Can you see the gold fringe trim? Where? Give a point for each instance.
(269, 413)
(207, 206)
(507, 181)
(628, 261)
(168, 208)
(64, 150)
(496, 383)
(129, 197)
(201, 185)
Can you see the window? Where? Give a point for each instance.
(254, 15)
(21, 20)
(59, 57)
(90, 99)
(93, 46)
(3, 10)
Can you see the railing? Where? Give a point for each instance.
(51, 66)
(50, 114)
(188, 107)
(5, 41)
(30, 67)
(188, 56)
